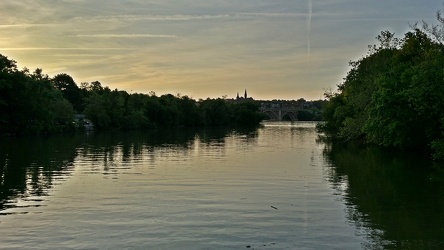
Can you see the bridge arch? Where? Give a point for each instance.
(272, 115)
(277, 114)
(291, 114)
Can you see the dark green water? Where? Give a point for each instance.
(395, 198)
(280, 186)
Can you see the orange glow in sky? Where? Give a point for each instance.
(275, 49)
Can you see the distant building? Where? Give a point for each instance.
(243, 99)
(240, 99)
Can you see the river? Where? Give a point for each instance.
(279, 186)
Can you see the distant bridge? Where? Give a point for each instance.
(278, 113)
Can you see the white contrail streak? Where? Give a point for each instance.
(310, 11)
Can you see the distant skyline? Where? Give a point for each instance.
(280, 49)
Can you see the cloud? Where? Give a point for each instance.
(128, 36)
(76, 55)
(202, 47)
(193, 17)
(49, 48)
(26, 25)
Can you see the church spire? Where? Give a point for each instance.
(245, 94)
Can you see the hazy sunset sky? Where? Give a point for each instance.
(276, 49)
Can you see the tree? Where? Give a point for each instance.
(216, 112)
(36, 103)
(393, 96)
(247, 113)
(95, 110)
(134, 116)
(70, 90)
(7, 66)
(29, 103)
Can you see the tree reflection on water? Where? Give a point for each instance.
(395, 199)
(31, 166)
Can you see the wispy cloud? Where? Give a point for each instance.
(195, 17)
(76, 55)
(25, 25)
(202, 47)
(48, 48)
(128, 36)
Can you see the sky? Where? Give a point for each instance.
(275, 49)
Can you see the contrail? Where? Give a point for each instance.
(310, 10)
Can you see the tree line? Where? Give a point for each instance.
(33, 102)
(394, 96)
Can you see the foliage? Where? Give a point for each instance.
(393, 96)
(71, 92)
(216, 112)
(29, 103)
(246, 113)
(35, 103)
(117, 109)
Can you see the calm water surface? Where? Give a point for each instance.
(280, 186)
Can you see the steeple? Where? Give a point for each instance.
(237, 97)
(245, 95)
